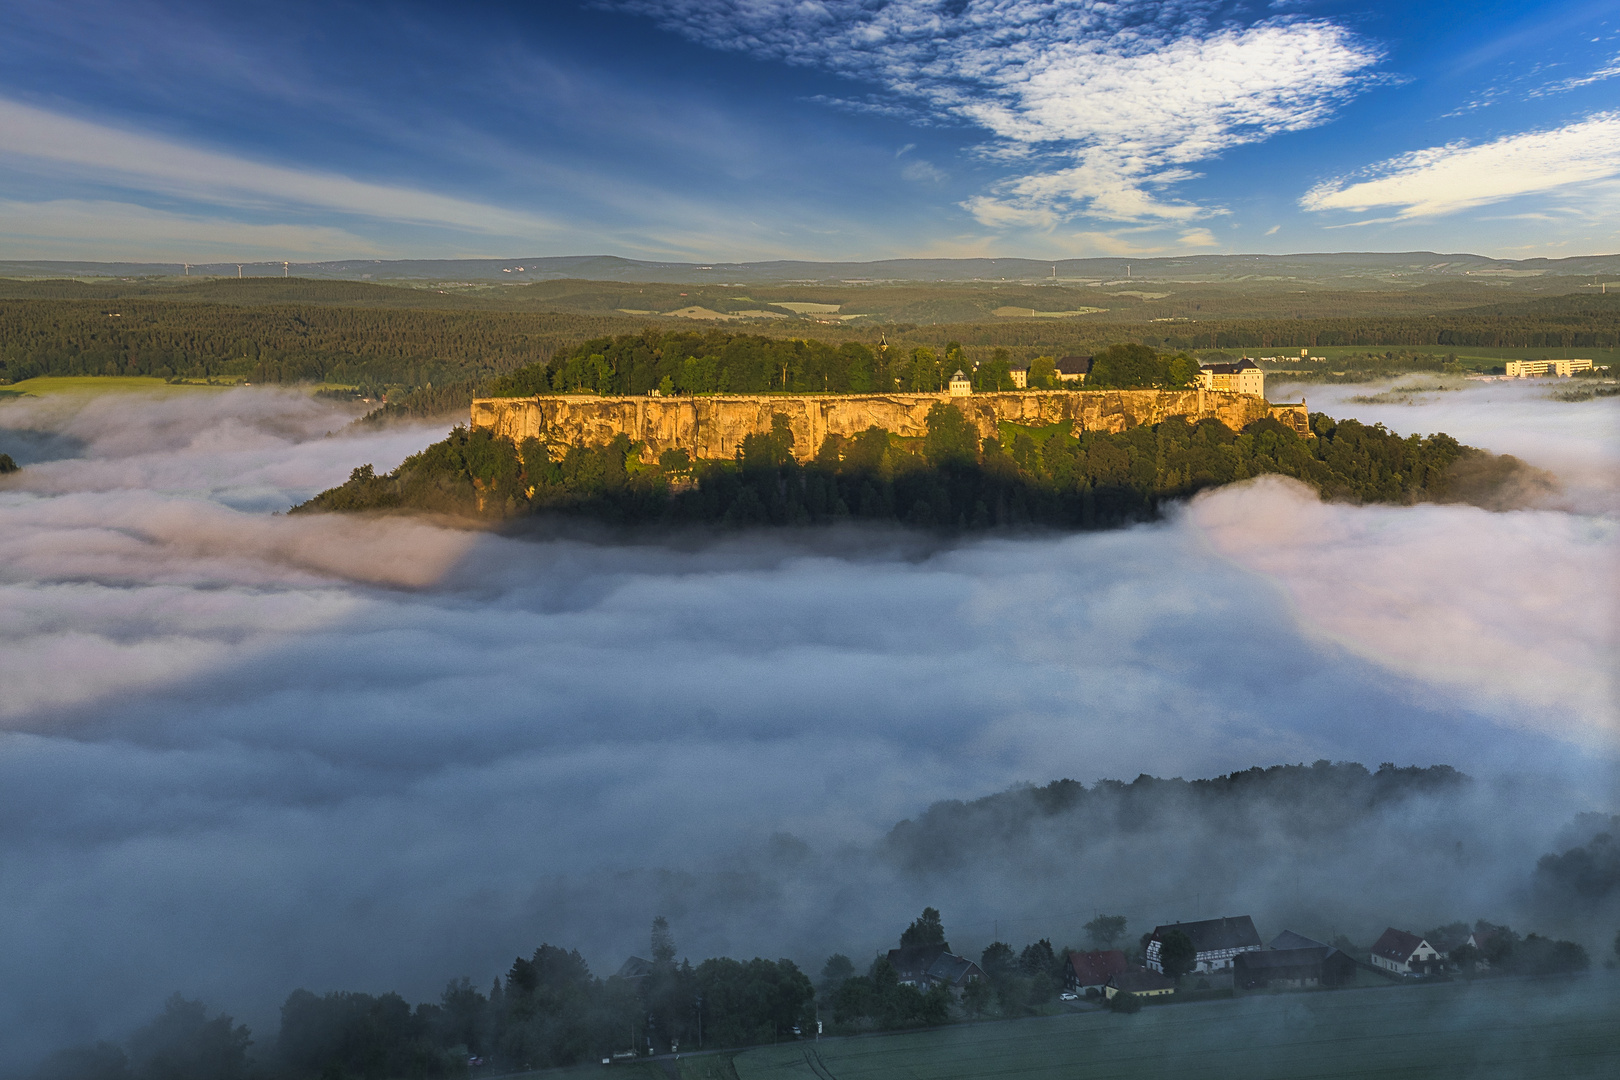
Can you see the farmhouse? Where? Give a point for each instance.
(1092, 970)
(1216, 942)
(1138, 984)
(1243, 377)
(1292, 961)
(1405, 953)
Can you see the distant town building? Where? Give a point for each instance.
(1216, 941)
(1138, 984)
(961, 385)
(1243, 377)
(1072, 368)
(1020, 375)
(1523, 369)
(1405, 953)
(1092, 970)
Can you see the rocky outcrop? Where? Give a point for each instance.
(714, 427)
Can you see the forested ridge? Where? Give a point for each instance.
(548, 1008)
(950, 478)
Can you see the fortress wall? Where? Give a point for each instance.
(714, 427)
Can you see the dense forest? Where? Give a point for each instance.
(267, 331)
(550, 1009)
(1050, 476)
(719, 361)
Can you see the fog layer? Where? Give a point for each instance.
(243, 753)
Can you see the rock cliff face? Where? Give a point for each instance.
(714, 427)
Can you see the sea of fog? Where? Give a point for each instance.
(242, 752)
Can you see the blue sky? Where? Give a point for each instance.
(748, 129)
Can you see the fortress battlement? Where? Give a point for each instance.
(714, 426)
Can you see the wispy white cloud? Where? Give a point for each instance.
(1106, 101)
(1458, 176)
(1608, 71)
(35, 138)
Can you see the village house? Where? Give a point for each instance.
(1405, 953)
(1292, 961)
(927, 966)
(1216, 942)
(960, 385)
(953, 972)
(1243, 377)
(1138, 984)
(1020, 375)
(1072, 369)
(1092, 970)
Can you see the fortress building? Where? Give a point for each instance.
(1243, 377)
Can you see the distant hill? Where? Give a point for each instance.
(1379, 267)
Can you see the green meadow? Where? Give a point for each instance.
(1481, 1030)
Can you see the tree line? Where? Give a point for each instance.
(356, 342)
(551, 1011)
(949, 478)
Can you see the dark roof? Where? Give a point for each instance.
(1231, 369)
(1290, 940)
(1017, 365)
(1282, 958)
(913, 961)
(1093, 968)
(1216, 935)
(1134, 982)
(956, 970)
(1074, 365)
(635, 968)
(1398, 945)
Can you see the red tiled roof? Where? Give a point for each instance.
(1093, 968)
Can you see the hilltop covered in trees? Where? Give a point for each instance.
(948, 478)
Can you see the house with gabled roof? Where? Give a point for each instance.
(1401, 952)
(1216, 942)
(954, 972)
(1092, 970)
(1072, 368)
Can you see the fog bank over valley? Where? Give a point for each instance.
(244, 753)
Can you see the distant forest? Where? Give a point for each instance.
(549, 1009)
(356, 334)
(949, 478)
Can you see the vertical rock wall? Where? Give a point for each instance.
(714, 427)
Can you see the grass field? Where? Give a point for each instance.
(97, 384)
(1487, 1030)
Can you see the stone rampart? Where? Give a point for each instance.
(714, 427)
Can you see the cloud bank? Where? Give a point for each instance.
(242, 753)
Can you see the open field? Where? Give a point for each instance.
(1486, 1029)
(99, 384)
